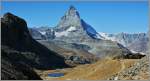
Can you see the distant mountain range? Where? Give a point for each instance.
(136, 42)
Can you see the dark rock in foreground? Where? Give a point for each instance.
(20, 50)
(12, 70)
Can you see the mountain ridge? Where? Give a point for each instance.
(136, 42)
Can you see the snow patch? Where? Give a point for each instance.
(72, 28)
(65, 33)
(59, 34)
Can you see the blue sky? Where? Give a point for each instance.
(110, 17)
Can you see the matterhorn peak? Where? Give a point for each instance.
(72, 11)
(71, 18)
(71, 25)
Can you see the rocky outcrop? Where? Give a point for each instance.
(139, 71)
(20, 49)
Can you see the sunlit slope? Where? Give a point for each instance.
(101, 70)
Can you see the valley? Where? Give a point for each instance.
(101, 70)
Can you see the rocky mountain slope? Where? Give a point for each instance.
(20, 49)
(74, 54)
(135, 42)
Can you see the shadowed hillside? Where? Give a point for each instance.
(19, 49)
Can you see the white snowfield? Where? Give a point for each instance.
(65, 33)
(72, 28)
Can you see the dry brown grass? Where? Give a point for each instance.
(100, 70)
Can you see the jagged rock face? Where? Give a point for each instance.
(22, 50)
(135, 42)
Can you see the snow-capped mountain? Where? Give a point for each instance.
(136, 42)
(71, 26)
